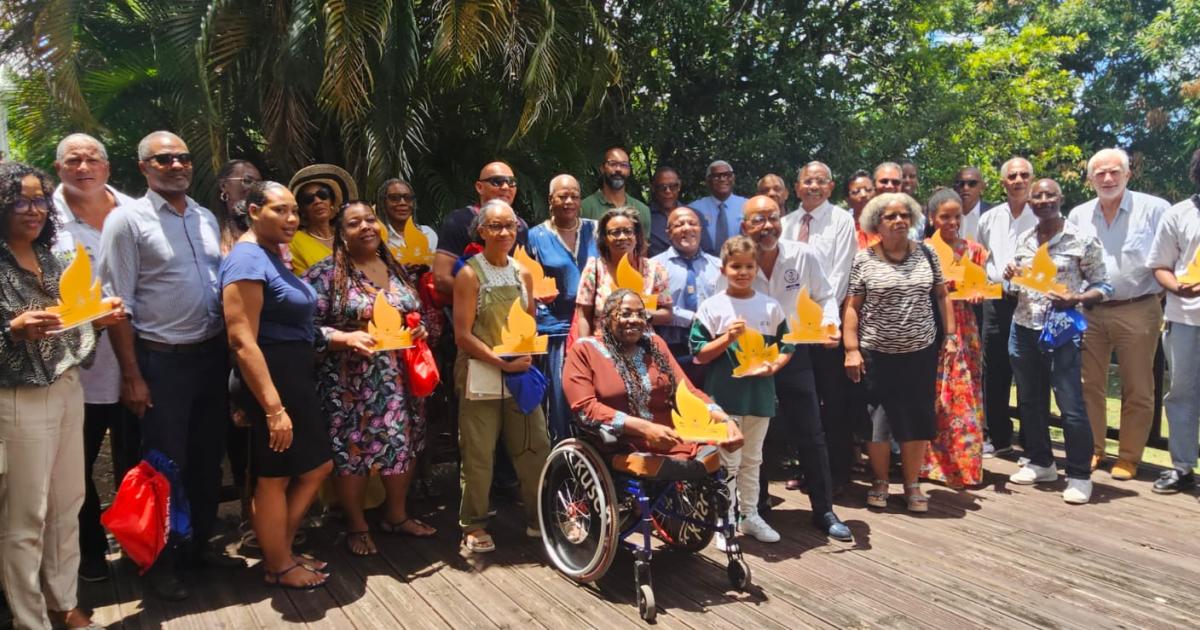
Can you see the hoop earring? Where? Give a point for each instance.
(224, 197)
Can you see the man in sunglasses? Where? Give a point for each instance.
(890, 178)
(999, 231)
(969, 185)
(664, 198)
(161, 255)
(496, 181)
(615, 171)
(721, 211)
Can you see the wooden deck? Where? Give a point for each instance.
(1003, 556)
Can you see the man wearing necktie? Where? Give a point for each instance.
(721, 211)
(693, 277)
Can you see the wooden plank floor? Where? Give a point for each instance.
(1002, 556)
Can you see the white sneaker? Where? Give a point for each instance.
(755, 526)
(1031, 473)
(722, 546)
(1021, 461)
(1079, 491)
(989, 451)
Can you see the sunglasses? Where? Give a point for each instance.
(25, 205)
(398, 197)
(966, 183)
(1012, 177)
(167, 159)
(500, 181)
(666, 187)
(889, 182)
(320, 193)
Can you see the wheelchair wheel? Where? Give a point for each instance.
(577, 511)
(645, 603)
(739, 574)
(690, 500)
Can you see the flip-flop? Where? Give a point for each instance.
(277, 576)
(363, 537)
(478, 541)
(397, 529)
(310, 562)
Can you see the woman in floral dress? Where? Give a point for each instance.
(375, 424)
(618, 235)
(955, 456)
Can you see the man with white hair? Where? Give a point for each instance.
(82, 201)
(721, 210)
(999, 231)
(1129, 320)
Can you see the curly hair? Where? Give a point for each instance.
(11, 174)
(873, 211)
(602, 232)
(635, 389)
(343, 265)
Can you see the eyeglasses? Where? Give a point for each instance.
(167, 159)
(815, 181)
(245, 181)
(498, 228)
(723, 175)
(500, 181)
(25, 205)
(1015, 175)
(887, 182)
(666, 187)
(760, 219)
(966, 183)
(398, 197)
(616, 164)
(320, 193)
(638, 315)
(897, 216)
(621, 231)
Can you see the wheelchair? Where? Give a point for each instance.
(590, 504)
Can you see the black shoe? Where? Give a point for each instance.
(832, 526)
(209, 558)
(166, 585)
(93, 568)
(1172, 481)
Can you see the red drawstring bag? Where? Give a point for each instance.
(423, 375)
(139, 515)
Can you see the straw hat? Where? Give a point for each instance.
(335, 177)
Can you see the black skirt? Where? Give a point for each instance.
(293, 371)
(900, 391)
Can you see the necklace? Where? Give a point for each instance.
(323, 239)
(573, 228)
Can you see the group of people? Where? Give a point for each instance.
(257, 317)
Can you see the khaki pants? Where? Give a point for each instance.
(1132, 330)
(41, 491)
(480, 424)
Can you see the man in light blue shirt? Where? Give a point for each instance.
(721, 211)
(693, 278)
(1129, 321)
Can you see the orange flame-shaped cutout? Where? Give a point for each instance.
(805, 326)
(543, 287)
(951, 269)
(628, 278)
(387, 327)
(416, 249)
(1041, 276)
(1192, 274)
(974, 284)
(81, 300)
(753, 352)
(519, 335)
(692, 420)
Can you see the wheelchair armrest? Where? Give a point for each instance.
(600, 432)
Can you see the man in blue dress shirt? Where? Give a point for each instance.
(693, 278)
(721, 211)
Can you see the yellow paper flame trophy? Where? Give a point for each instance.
(805, 326)
(628, 278)
(692, 419)
(753, 352)
(520, 334)
(416, 250)
(80, 299)
(543, 287)
(387, 328)
(1041, 276)
(952, 270)
(974, 284)
(1192, 274)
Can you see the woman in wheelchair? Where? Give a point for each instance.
(631, 476)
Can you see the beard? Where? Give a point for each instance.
(615, 182)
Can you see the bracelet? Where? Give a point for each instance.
(277, 413)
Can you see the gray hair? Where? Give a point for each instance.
(815, 164)
(1004, 168)
(883, 165)
(708, 171)
(1120, 154)
(558, 181)
(483, 210)
(61, 151)
(939, 197)
(873, 212)
(143, 148)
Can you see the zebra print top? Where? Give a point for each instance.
(897, 313)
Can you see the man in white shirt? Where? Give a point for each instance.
(82, 201)
(969, 184)
(1130, 320)
(999, 231)
(830, 230)
(1171, 256)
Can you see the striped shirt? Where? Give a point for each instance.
(897, 313)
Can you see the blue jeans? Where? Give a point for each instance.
(1182, 346)
(559, 418)
(1035, 372)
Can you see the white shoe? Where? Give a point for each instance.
(1079, 491)
(755, 526)
(722, 546)
(1021, 461)
(1031, 473)
(989, 451)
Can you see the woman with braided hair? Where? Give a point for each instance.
(625, 379)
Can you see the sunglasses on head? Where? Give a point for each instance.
(499, 181)
(167, 159)
(321, 193)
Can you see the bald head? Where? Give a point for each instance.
(762, 222)
(563, 181)
(683, 228)
(496, 181)
(564, 200)
(1046, 199)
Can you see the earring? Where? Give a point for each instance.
(224, 197)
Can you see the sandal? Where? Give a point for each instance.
(311, 563)
(877, 496)
(363, 538)
(478, 541)
(917, 502)
(397, 529)
(272, 578)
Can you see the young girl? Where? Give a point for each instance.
(749, 400)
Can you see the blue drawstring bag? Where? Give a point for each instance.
(1061, 327)
(528, 388)
(180, 514)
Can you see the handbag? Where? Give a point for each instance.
(1061, 327)
(485, 382)
(423, 376)
(139, 516)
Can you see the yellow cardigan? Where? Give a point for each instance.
(306, 252)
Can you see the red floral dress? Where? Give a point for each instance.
(955, 456)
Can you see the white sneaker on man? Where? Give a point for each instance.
(755, 526)
(1031, 473)
(1078, 492)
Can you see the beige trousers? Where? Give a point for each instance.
(41, 491)
(1132, 330)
